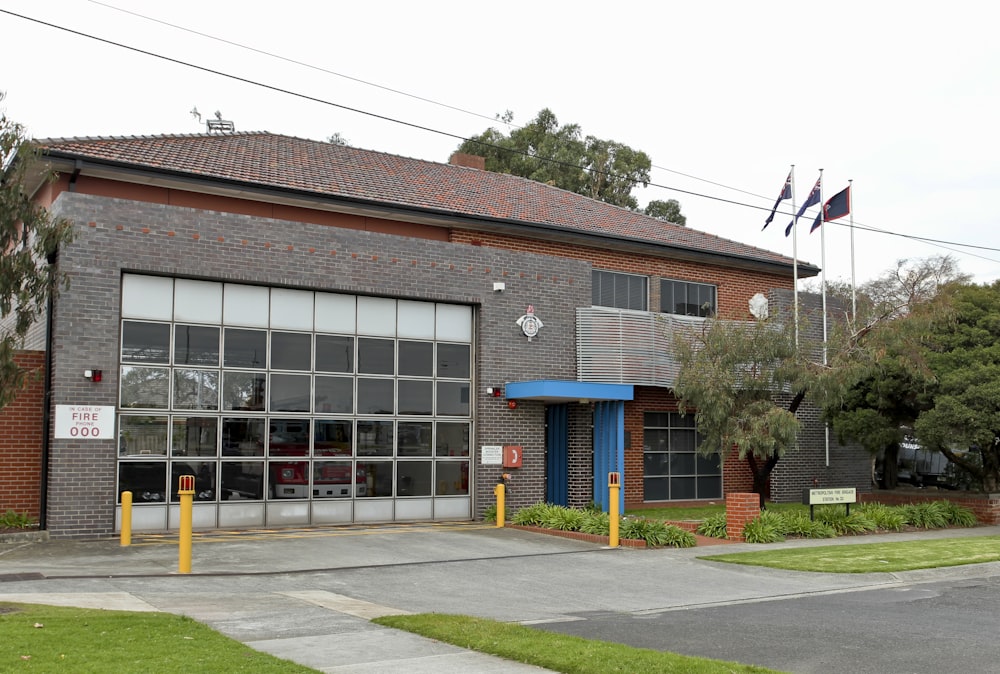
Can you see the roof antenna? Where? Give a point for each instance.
(217, 125)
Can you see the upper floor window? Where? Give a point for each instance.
(687, 299)
(621, 291)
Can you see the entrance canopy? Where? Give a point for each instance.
(556, 391)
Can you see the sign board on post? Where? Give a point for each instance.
(813, 497)
(85, 422)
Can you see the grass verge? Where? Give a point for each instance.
(873, 557)
(83, 641)
(558, 652)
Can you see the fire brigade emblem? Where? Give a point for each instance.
(530, 325)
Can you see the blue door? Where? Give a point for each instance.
(556, 455)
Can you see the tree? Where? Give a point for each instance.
(669, 210)
(338, 139)
(560, 156)
(29, 240)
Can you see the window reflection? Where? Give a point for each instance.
(334, 394)
(452, 439)
(374, 438)
(142, 435)
(288, 437)
(333, 437)
(147, 480)
(376, 356)
(196, 345)
(452, 478)
(291, 351)
(416, 397)
(145, 387)
(242, 480)
(145, 342)
(378, 477)
(413, 478)
(243, 390)
(245, 348)
(453, 398)
(195, 436)
(334, 353)
(375, 396)
(416, 359)
(290, 392)
(196, 389)
(242, 437)
(453, 361)
(204, 479)
(414, 438)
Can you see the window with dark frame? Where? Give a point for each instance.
(618, 290)
(686, 298)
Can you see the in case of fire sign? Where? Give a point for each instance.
(85, 422)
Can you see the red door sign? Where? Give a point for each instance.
(512, 456)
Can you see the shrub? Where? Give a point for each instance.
(842, 523)
(799, 524)
(597, 523)
(927, 515)
(761, 530)
(15, 520)
(562, 519)
(656, 533)
(490, 514)
(533, 515)
(959, 515)
(886, 518)
(713, 526)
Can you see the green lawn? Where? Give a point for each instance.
(873, 557)
(558, 652)
(35, 638)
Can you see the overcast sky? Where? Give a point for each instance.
(901, 97)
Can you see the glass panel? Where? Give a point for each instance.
(415, 319)
(453, 398)
(710, 487)
(245, 348)
(682, 463)
(453, 361)
(659, 419)
(374, 438)
(682, 488)
(376, 316)
(142, 436)
(452, 439)
(452, 478)
(145, 342)
(334, 353)
(242, 437)
(454, 323)
(197, 301)
(378, 477)
(334, 394)
(335, 313)
(147, 480)
(291, 351)
(290, 392)
(709, 465)
(196, 389)
(243, 390)
(196, 345)
(655, 489)
(416, 397)
(242, 480)
(145, 387)
(682, 420)
(655, 440)
(195, 436)
(656, 463)
(291, 309)
(413, 478)
(416, 359)
(333, 437)
(288, 437)
(682, 440)
(245, 305)
(149, 297)
(413, 438)
(204, 479)
(376, 356)
(337, 479)
(375, 396)
(288, 479)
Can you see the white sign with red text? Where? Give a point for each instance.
(85, 422)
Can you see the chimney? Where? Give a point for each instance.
(467, 160)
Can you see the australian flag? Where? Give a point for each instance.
(786, 193)
(835, 207)
(811, 200)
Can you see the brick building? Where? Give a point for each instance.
(322, 334)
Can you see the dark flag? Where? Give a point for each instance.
(786, 193)
(811, 200)
(835, 207)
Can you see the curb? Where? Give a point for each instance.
(580, 536)
(25, 537)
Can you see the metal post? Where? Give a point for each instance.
(614, 486)
(501, 492)
(186, 492)
(126, 532)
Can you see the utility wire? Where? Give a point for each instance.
(458, 137)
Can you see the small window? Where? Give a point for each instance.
(687, 299)
(621, 291)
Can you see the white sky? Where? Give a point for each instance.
(901, 97)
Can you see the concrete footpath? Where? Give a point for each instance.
(308, 594)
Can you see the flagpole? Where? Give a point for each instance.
(822, 254)
(854, 291)
(795, 264)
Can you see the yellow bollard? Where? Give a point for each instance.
(186, 492)
(614, 487)
(498, 491)
(126, 532)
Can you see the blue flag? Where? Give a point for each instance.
(811, 200)
(786, 193)
(835, 207)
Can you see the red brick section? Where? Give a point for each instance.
(21, 441)
(740, 509)
(985, 506)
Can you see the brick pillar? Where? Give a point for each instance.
(740, 509)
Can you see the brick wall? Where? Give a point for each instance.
(21, 440)
(985, 506)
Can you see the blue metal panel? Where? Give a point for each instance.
(557, 454)
(609, 450)
(567, 391)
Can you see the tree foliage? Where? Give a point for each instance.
(669, 210)
(544, 151)
(29, 239)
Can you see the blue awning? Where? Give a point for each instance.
(555, 391)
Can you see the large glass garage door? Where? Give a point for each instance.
(292, 407)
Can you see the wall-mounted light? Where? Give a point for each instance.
(512, 404)
(93, 375)
(499, 286)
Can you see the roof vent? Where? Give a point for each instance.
(467, 160)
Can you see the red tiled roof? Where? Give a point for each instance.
(338, 171)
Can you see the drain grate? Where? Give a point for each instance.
(11, 577)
